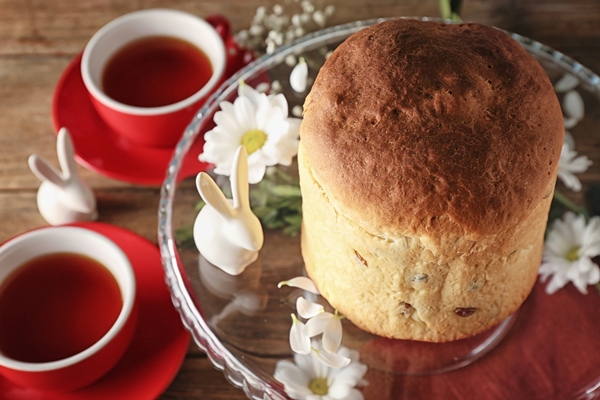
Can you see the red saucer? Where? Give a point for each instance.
(99, 148)
(159, 344)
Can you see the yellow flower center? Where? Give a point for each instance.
(253, 140)
(573, 254)
(319, 386)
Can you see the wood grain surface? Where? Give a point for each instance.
(38, 39)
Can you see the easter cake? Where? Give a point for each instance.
(427, 160)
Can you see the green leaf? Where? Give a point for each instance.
(286, 191)
(565, 201)
(184, 237)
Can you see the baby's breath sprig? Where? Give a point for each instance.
(273, 28)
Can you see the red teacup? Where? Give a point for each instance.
(67, 307)
(164, 63)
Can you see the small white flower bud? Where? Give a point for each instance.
(276, 86)
(263, 87)
(319, 18)
(291, 60)
(256, 30)
(296, 21)
(305, 18)
(297, 111)
(298, 76)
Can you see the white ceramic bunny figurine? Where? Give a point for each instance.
(63, 197)
(226, 232)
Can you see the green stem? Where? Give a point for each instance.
(570, 205)
(445, 10)
(450, 9)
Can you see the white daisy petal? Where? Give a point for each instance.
(580, 283)
(300, 282)
(317, 324)
(340, 391)
(332, 360)
(555, 244)
(299, 342)
(584, 266)
(269, 155)
(580, 164)
(279, 102)
(557, 282)
(568, 140)
(573, 105)
(245, 90)
(256, 172)
(294, 380)
(245, 112)
(570, 180)
(591, 237)
(307, 364)
(565, 83)
(332, 336)
(355, 395)
(353, 374)
(307, 309)
(594, 275)
(578, 227)
(290, 372)
(227, 122)
(263, 112)
(570, 122)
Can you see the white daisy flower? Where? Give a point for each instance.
(569, 164)
(308, 379)
(261, 124)
(568, 251)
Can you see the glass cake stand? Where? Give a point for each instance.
(549, 349)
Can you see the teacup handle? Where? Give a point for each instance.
(237, 56)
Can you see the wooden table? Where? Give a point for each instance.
(39, 38)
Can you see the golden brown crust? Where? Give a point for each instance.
(427, 163)
(455, 128)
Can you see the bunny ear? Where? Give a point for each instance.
(239, 179)
(213, 196)
(66, 153)
(45, 171)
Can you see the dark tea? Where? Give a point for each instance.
(156, 71)
(56, 306)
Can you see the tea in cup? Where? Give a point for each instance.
(67, 307)
(149, 71)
